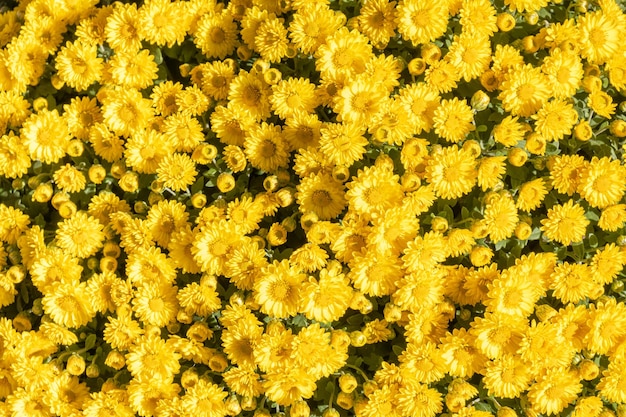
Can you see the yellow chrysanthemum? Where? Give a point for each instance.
(67, 305)
(46, 136)
(524, 91)
(421, 21)
(600, 35)
(162, 22)
(177, 171)
(78, 65)
(278, 289)
(216, 34)
(81, 235)
(452, 172)
(133, 69)
(602, 182)
(555, 120)
(322, 195)
(377, 21)
(453, 120)
(566, 223)
(470, 54)
(501, 217)
(531, 194)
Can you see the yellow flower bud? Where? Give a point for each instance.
(357, 338)
(517, 157)
(272, 76)
(22, 323)
(276, 235)
(75, 365)
(97, 173)
(129, 182)
(225, 182)
(40, 103)
(417, 66)
(345, 401)
(300, 408)
(198, 200)
(118, 169)
(480, 100)
(506, 412)
(92, 371)
(75, 148)
(115, 360)
(523, 231)
(430, 53)
(583, 131)
(108, 264)
(439, 224)
(505, 22)
(43, 193)
(248, 403)
(347, 383)
(57, 82)
(331, 412)
(588, 370)
(481, 256)
(67, 209)
(618, 128)
(218, 363)
(532, 18)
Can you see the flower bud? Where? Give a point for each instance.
(347, 383)
(480, 100)
(505, 22)
(75, 365)
(225, 182)
(517, 157)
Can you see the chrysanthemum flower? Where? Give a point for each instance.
(555, 120)
(81, 235)
(342, 143)
(605, 326)
(216, 34)
(293, 96)
(611, 386)
(265, 148)
(152, 357)
(67, 305)
(565, 172)
(277, 290)
(470, 54)
(554, 390)
(287, 386)
(452, 172)
(600, 35)
(507, 377)
(213, 245)
(423, 361)
(442, 76)
(215, 79)
(271, 40)
(125, 111)
(249, 93)
(78, 65)
(177, 171)
(162, 22)
(133, 69)
(531, 194)
(14, 156)
(145, 150)
(374, 191)
(322, 195)
(344, 54)
(312, 25)
(602, 182)
(524, 91)
(418, 400)
(565, 223)
(453, 120)
(69, 179)
(46, 136)
(156, 304)
(326, 299)
(122, 28)
(421, 21)
(564, 71)
(612, 218)
(478, 18)
(601, 103)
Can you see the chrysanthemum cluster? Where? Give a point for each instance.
(309, 207)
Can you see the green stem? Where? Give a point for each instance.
(359, 370)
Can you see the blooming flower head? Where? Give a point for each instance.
(565, 223)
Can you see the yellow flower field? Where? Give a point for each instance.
(372, 208)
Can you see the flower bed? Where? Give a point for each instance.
(302, 207)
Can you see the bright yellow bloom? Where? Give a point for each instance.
(566, 223)
(452, 172)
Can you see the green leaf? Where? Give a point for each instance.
(158, 56)
(593, 240)
(90, 341)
